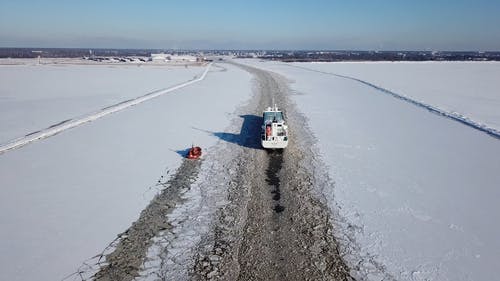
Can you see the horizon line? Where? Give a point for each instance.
(260, 49)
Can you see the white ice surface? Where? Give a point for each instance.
(34, 97)
(418, 192)
(467, 88)
(89, 117)
(64, 198)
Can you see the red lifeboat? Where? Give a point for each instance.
(194, 152)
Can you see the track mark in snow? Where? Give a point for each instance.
(111, 106)
(32, 133)
(434, 109)
(59, 124)
(71, 123)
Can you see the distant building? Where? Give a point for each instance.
(185, 58)
(161, 57)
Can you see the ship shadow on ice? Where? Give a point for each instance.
(249, 135)
(183, 152)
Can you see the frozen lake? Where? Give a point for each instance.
(34, 97)
(416, 192)
(65, 198)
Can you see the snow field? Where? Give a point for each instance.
(71, 123)
(469, 89)
(416, 193)
(34, 97)
(64, 198)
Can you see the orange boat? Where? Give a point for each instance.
(194, 152)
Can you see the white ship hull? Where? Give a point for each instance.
(274, 130)
(274, 144)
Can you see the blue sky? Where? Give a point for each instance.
(258, 24)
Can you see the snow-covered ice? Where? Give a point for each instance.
(34, 97)
(468, 89)
(64, 198)
(74, 122)
(417, 193)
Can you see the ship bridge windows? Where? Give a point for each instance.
(270, 116)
